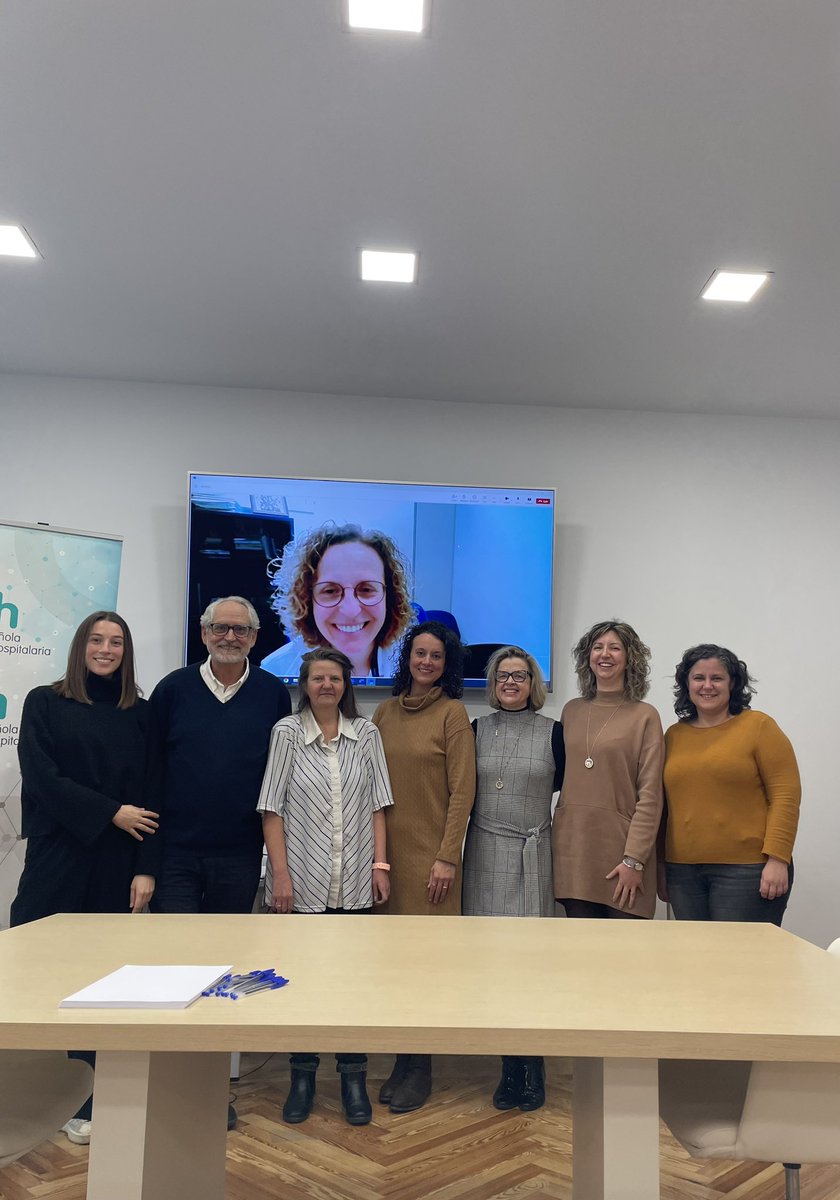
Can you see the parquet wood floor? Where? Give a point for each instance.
(455, 1148)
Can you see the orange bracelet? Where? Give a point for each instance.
(381, 867)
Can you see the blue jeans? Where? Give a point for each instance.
(722, 892)
(206, 883)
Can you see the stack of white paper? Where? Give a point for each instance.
(147, 987)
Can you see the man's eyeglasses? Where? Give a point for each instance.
(516, 676)
(330, 595)
(221, 629)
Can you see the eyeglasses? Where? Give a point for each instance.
(220, 629)
(516, 676)
(330, 595)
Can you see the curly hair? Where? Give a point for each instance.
(452, 679)
(538, 693)
(347, 703)
(740, 694)
(636, 682)
(293, 577)
(73, 684)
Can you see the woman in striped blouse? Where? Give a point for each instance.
(323, 798)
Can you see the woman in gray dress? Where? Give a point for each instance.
(507, 858)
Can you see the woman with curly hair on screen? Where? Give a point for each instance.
(343, 587)
(430, 751)
(604, 833)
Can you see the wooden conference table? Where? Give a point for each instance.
(615, 996)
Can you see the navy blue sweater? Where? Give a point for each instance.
(213, 758)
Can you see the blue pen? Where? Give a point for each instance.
(251, 984)
(219, 983)
(268, 986)
(227, 982)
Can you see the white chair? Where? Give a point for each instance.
(772, 1112)
(39, 1091)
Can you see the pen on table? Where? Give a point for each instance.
(267, 986)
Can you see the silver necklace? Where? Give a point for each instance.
(500, 783)
(589, 761)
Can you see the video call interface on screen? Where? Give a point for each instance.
(353, 565)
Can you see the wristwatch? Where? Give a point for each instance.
(633, 863)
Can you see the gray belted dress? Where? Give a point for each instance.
(507, 856)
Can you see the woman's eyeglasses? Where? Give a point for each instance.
(516, 676)
(330, 595)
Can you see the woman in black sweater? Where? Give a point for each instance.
(83, 761)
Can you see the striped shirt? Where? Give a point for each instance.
(326, 793)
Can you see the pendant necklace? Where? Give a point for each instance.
(500, 783)
(589, 761)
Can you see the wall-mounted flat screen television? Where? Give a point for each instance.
(354, 564)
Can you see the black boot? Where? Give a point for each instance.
(354, 1097)
(533, 1084)
(398, 1074)
(298, 1104)
(509, 1092)
(416, 1087)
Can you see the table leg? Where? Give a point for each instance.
(159, 1126)
(615, 1129)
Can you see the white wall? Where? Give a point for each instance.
(691, 528)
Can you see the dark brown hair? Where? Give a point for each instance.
(73, 685)
(741, 690)
(452, 679)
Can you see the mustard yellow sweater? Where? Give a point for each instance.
(732, 792)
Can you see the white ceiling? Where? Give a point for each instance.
(199, 175)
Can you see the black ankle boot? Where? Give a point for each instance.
(398, 1074)
(354, 1097)
(416, 1087)
(509, 1091)
(298, 1104)
(533, 1084)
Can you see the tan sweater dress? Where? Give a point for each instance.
(613, 808)
(430, 751)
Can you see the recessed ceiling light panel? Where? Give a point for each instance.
(401, 16)
(388, 266)
(15, 242)
(737, 286)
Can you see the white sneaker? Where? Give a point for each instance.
(78, 1131)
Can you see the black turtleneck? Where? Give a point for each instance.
(80, 762)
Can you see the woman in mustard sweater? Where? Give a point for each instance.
(732, 797)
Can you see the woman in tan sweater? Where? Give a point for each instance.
(732, 789)
(604, 832)
(430, 751)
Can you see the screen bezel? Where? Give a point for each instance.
(470, 689)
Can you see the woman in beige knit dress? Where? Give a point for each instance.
(605, 826)
(430, 751)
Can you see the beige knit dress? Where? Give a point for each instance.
(430, 751)
(612, 808)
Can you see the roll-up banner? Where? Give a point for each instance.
(50, 580)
